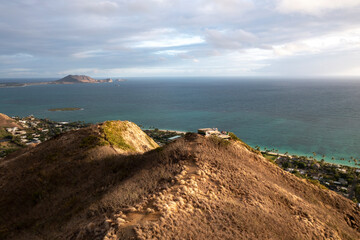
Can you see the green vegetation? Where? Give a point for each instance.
(34, 131)
(113, 134)
(269, 156)
(219, 141)
(161, 137)
(150, 141)
(4, 133)
(344, 180)
(316, 182)
(64, 109)
(235, 138)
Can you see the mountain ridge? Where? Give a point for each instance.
(79, 186)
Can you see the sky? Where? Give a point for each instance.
(136, 38)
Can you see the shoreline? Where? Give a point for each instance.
(336, 162)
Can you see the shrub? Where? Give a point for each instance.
(235, 138)
(219, 141)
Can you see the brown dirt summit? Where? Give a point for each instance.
(193, 188)
(6, 121)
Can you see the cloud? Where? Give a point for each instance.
(332, 42)
(99, 7)
(15, 58)
(170, 42)
(178, 37)
(230, 39)
(225, 6)
(171, 52)
(89, 54)
(314, 7)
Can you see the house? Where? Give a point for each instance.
(224, 136)
(213, 132)
(343, 181)
(342, 170)
(208, 131)
(12, 130)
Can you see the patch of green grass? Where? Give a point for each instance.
(150, 141)
(4, 133)
(113, 134)
(269, 156)
(317, 183)
(233, 136)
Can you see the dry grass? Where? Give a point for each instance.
(48, 185)
(193, 188)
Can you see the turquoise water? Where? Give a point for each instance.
(294, 116)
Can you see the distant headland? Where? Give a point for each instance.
(65, 109)
(70, 79)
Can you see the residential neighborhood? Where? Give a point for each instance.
(342, 179)
(32, 131)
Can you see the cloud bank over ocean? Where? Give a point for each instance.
(179, 38)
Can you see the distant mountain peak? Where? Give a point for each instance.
(69, 79)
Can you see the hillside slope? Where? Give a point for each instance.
(194, 188)
(6, 121)
(59, 177)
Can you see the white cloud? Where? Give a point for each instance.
(89, 54)
(175, 41)
(225, 6)
(314, 7)
(231, 39)
(15, 58)
(98, 7)
(334, 42)
(171, 52)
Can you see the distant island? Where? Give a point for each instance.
(70, 79)
(64, 109)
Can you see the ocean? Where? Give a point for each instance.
(291, 115)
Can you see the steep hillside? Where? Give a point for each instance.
(6, 121)
(70, 79)
(193, 188)
(59, 177)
